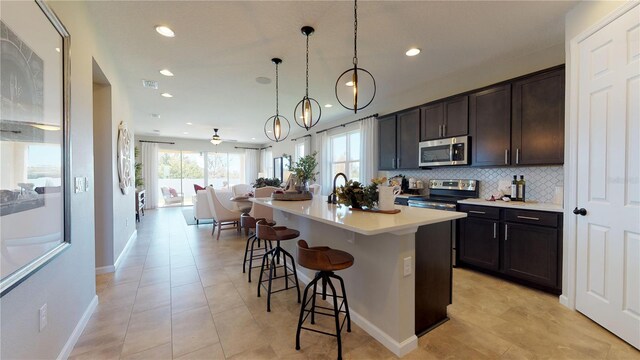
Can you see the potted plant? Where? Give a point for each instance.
(138, 170)
(305, 171)
(360, 196)
(263, 182)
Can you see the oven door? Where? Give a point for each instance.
(442, 152)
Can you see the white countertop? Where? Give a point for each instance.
(514, 205)
(366, 223)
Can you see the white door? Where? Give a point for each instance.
(608, 243)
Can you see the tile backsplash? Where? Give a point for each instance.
(541, 181)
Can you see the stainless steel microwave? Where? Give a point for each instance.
(445, 152)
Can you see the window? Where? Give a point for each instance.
(300, 151)
(345, 155)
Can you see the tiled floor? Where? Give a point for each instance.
(181, 294)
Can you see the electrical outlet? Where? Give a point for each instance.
(43, 317)
(407, 266)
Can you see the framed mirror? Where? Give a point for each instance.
(35, 181)
(280, 165)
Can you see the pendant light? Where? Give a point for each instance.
(355, 83)
(216, 139)
(304, 111)
(277, 127)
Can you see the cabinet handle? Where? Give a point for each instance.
(505, 232)
(517, 156)
(506, 156)
(477, 212)
(495, 230)
(444, 129)
(528, 218)
(393, 163)
(440, 130)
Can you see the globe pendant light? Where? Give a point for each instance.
(306, 105)
(277, 127)
(355, 83)
(215, 139)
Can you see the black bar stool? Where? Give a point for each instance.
(248, 223)
(276, 233)
(325, 261)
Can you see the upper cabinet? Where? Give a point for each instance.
(537, 132)
(446, 118)
(519, 122)
(490, 123)
(407, 139)
(398, 137)
(387, 143)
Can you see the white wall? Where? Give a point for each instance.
(67, 283)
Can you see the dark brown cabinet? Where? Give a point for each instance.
(490, 126)
(407, 139)
(531, 253)
(537, 133)
(520, 245)
(447, 118)
(387, 143)
(398, 137)
(479, 244)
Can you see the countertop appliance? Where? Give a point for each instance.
(444, 195)
(444, 152)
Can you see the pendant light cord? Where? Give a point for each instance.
(355, 33)
(277, 112)
(307, 89)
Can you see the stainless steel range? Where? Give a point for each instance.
(444, 195)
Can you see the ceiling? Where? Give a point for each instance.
(220, 48)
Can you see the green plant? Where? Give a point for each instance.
(262, 182)
(305, 168)
(357, 195)
(138, 168)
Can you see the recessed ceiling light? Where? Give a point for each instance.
(186, 133)
(58, 49)
(263, 80)
(349, 83)
(253, 138)
(328, 105)
(413, 52)
(165, 31)
(167, 95)
(189, 123)
(166, 72)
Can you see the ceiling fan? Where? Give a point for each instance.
(216, 139)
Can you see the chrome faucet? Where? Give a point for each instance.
(333, 197)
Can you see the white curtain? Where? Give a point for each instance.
(250, 165)
(149, 158)
(268, 163)
(368, 149)
(324, 178)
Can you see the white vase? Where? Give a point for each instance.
(387, 196)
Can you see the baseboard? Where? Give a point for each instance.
(133, 236)
(398, 348)
(75, 335)
(565, 301)
(105, 269)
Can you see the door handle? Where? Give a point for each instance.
(505, 232)
(506, 156)
(495, 230)
(581, 211)
(477, 212)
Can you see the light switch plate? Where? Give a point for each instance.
(407, 266)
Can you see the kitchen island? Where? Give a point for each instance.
(381, 285)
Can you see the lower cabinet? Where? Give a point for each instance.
(520, 245)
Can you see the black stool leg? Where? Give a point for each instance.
(264, 259)
(337, 315)
(286, 276)
(255, 238)
(346, 303)
(324, 288)
(246, 250)
(304, 301)
(272, 271)
(313, 299)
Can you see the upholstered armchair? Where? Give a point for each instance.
(241, 189)
(221, 214)
(201, 208)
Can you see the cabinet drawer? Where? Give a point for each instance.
(481, 211)
(532, 217)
